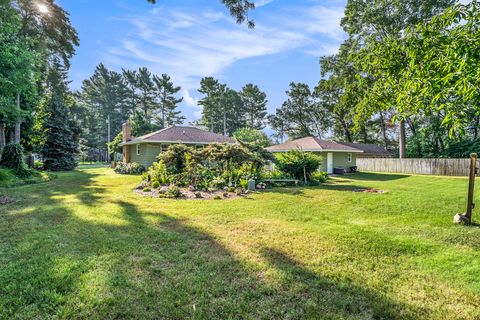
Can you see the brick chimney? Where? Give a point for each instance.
(126, 136)
(126, 132)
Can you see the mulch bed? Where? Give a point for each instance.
(191, 195)
(5, 200)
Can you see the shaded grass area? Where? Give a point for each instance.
(85, 246)
(8, 179)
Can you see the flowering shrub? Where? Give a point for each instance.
(129, 168)
(214, 167)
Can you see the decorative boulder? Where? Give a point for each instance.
(163, 190)
(460, 219)
(198, 195)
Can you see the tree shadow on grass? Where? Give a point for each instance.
(148, 264)
(325, 298)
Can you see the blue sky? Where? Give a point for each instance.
(189, 39)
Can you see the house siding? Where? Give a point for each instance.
(148, 153)
(340, 160)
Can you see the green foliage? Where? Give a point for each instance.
(158, 173)
(12, 157)
(9, 178)
(155, 184)
(214, 167)
(298, 164)
(254, 106)
(173, 192)
(167, 102)
(218, 183)
(129, 168)
(60, 130)
(253, 136)
(276, 174)
(301, 115)
(318, 178)
(147, 189)
(174, 158)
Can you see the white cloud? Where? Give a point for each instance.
(261, 3)
(189, 44)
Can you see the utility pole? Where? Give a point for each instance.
(224, 123)
(108, 138)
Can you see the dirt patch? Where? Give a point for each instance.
(368, 190)
(188, 194)
(5, 200)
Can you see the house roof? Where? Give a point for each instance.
(368, 148)
(312, 144)
(181, 134)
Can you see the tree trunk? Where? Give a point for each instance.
(16, 137)
(384, 130)
(401, 140)
(475, 128)
(2, 136)
(346, 131)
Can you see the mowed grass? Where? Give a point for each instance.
(84, 246)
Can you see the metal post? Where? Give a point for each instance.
(108, 138)
(471, 186)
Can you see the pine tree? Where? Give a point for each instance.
(167, 102)
(61, 131)
(222, 107)
(254, 105)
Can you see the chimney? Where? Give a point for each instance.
(126, 132)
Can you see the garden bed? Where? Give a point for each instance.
(189, 194)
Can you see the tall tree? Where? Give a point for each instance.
(60, 130)
(212, 116)
(167, 102)
(105, 95)
(17, 71)
(146, 96)
(371, 22)
(130, 77)
(254, 105)
(301, 115)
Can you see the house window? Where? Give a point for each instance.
(349, 157)
(138, 149)
(164, 147)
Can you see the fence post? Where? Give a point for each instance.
(471, 186)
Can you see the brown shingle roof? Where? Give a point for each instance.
(182, 134)
(312, 144)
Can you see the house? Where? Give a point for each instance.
(146, 148)
(335, 154)
(370, 150)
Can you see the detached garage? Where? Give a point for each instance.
(335, 154)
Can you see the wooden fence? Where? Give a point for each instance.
(442, 167)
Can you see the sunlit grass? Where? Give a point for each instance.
(85, 246)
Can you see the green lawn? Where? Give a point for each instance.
(85, 246)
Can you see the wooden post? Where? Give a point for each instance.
(471, 186)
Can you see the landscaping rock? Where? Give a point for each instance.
(5, 200)
(163, 190)
(460, 219)
(198, 195)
